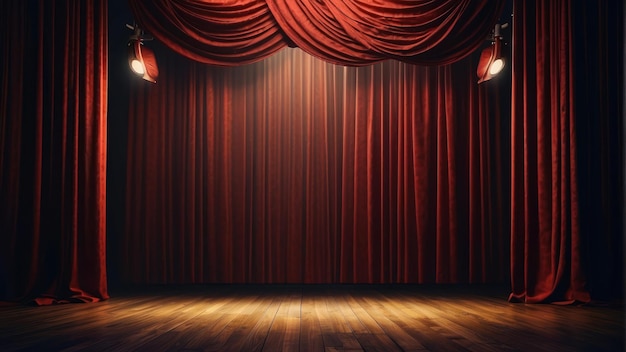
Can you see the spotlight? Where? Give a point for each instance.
(141, 59)
(491, 61)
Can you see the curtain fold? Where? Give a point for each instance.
(53, 150)
(347, 32)
(356, 32)
(223, 33)
(599, 89)
(294, 170)
(290, 169)
(557, 239)
(545, 219)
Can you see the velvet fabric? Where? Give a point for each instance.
(219, 33)
(357, 32)
(294, 170)
(562, 250)
(290, 169)
(347, 32)
(53, 151)
(547, 261)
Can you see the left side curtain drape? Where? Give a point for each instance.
(53, 108)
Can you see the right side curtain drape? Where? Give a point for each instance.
(551, 260)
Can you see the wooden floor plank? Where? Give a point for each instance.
(284, 334)
(378, 343)
(336, 330)
(256, 337)
(380, 312)
(311, 318)
(310, 331)
(364, 317)
(215, 329)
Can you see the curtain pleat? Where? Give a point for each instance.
(356, 32)
(545, 231)
(346, 32)
(53, 144)
(221, 33)
(599, 97)
(294, 170)
(559, 244)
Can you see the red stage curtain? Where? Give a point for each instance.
(359, 32)
(294, 170)
(223, 33)
(53, 150)
(347, 32)
(545, 231)
(553, 83)
(599, 72)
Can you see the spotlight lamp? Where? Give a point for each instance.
(141, 59)
(492, 60)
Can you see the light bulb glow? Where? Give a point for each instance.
(137, 67)
(496, 67)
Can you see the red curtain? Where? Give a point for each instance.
(294, 170)
(555, 91)
(223, 33)
(545, 232)
(346, 32)
(599, 99)
(53, 150)
(359, 32)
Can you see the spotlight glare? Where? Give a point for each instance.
(496, 66)
(492, 60)
(137, 67)
(140, 58)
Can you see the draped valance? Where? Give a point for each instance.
(345, 32)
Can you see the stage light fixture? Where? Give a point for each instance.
(491, 60)
(141, 59)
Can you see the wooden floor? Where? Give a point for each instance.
(312, 318)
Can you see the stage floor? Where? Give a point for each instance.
(312, 318)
